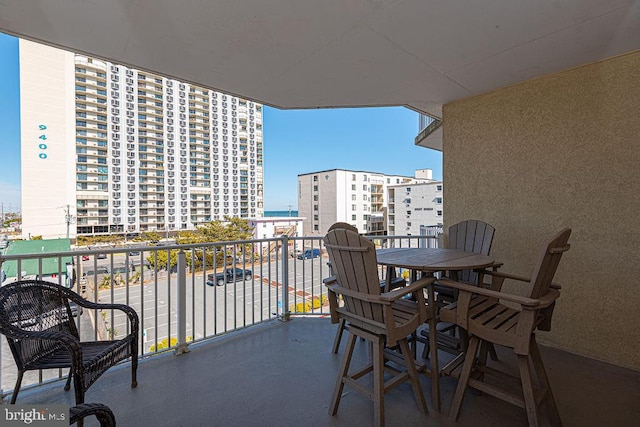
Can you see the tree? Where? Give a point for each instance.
(231, 229)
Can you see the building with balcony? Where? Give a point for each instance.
(355, 197)
(413, 207)
(123, 150)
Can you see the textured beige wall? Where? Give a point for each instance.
(554, 152)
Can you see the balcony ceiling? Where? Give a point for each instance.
(337, 53)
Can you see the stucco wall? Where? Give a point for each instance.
(560, 151)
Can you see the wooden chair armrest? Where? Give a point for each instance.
(416, 286)
(554, 285)
(337, 289)
(506, 275)
(549, 298)
(523, 301)
(329, 280)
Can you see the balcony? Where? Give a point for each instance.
(284, 372)
(265, 353)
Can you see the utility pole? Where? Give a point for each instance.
(68, 218)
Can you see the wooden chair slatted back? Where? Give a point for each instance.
(354, 265)
(471, 236)
(343, 225)
(547, 265)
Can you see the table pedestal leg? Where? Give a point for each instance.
(433, 344)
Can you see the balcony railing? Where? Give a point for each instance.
(203, 291)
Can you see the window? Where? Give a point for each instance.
(438, 187)
(353, 187)
(439, 213)
(353, 197)
(439, 200)
(364, 187)
(353, 217)
(353, 177)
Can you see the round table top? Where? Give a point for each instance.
(432, 259)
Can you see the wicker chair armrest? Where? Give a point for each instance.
(523, 301)
(102, 412)
(128, 310)
(69, 341)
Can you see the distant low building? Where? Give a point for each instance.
(50, 269)
(276, 226)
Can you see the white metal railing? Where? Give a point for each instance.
(187, 293)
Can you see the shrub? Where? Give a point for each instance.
(164, 344)
(301, 307)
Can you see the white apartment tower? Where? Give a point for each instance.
(131, 151)
(340, 195)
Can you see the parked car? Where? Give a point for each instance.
(228, 276)
(134, 253)
(309, 253)
(85, 257)
(101, 256)
(100, 270)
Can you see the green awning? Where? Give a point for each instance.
(31, 266)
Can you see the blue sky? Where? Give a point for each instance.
(295, 141)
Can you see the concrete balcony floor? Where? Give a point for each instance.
(283, 374)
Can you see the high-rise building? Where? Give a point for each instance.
(109, 149)
(355, 197)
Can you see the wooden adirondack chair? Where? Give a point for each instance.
(384, 319)
(481, 313)
(469, 236)
(395, 282)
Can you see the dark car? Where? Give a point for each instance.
(309, 253)
(101, 256)
(228, 276)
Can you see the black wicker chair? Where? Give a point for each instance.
(102, 412)
(37, 320)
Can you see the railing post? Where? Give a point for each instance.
(286, 314)
(182, 304)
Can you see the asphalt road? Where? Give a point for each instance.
(213, 310)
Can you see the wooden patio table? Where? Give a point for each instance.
(429, 261)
